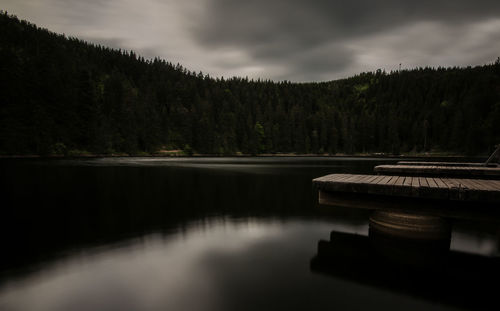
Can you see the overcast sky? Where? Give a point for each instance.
(297, 40)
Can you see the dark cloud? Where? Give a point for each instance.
(313, 37)
(301, 23)
(297, 40)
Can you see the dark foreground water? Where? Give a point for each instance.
(207, 234)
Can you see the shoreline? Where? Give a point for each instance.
(239, 155)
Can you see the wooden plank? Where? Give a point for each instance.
(441, 171)
(394, 180)
(491, 190)
(345, 182)
(431, 182)
(373, 177)
(484, 189)
(351, 178)
(453, 189)
(399, 181)
(381, 186)
(402, 186)
(480, 190)
(474, 190)
(415, 182)
(481, 184)
(439, 189)
(430, 190)
(389, 189)
(415, 185)
(340, 177)
(363, 185)
(470, 184)
(383, 180)
(365, 178)
(376, 180)
(423, 182)
(463, 190)
(433, 163)
(496, 183)
(434, 188)
(440, 183)
(368, 179)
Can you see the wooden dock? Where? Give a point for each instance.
(413, 201)
(480, 172)
(435, 188)
(459, 164)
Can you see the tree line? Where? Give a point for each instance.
(60, 93)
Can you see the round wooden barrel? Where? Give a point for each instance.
(413, 226)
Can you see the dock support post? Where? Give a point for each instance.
(413, 226)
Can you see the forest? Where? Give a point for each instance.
(61, 96)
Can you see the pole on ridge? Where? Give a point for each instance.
(493, 156)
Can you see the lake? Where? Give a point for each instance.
(199, 234)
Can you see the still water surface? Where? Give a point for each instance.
(189, 234)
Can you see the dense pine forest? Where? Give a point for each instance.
(61, 95)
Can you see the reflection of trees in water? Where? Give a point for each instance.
(49, 210)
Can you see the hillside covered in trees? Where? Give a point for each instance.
(59, 94)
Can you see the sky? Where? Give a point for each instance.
(295, 40)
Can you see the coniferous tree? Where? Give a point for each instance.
(60, 94)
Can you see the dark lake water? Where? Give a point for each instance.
(205, 234)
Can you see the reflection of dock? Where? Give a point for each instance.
(421, 269)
